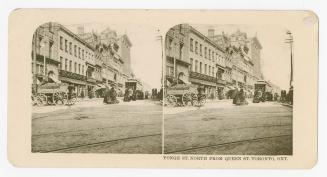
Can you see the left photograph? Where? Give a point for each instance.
(96, 88)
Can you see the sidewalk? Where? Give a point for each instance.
(218, 104)
(94, 102)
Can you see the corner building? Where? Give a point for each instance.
(191, 57)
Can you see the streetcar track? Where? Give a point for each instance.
(227, 116)
(90, 129)
(221, 119)
(236, 128)
(226, 144)
(81, 113)
(97, 143)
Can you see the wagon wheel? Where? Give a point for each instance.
(187, 99)
(60, 98)
(73, 100)
(194, 99)
(51, 99)
(33, 101)
(202, 100)
(171, 100)
(41, 100)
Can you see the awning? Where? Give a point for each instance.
(73, 81)
(53, 78)
(100, 86)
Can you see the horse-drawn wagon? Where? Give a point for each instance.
(53, 94)
(184, 95)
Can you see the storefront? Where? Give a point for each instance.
(78, 81)
(207, 84)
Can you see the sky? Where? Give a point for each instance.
(145, 51)
(275, 54)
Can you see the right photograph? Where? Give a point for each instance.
(228, 89)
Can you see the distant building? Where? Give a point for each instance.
(113, 58)
(242, 58)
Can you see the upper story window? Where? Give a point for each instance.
(191, 65)
(75, 50)
(66, 45)
(205, 52)
(200, 49)
(70, 66)
(205, 69)
(83, 54)
(79, 52)
(196, 47)
(196, 66)
(61, 42)
(170, 42)
(70, 48)
(191, 44)
(209, 54)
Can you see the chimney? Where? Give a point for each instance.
(211, 33)
(80, 30)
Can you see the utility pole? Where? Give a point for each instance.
(290, 41)
(162, 58)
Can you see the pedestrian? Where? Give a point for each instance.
(235, 95)
(106, 94)
(113, 95)
(130, 93)
(126, 97)
(71, 89)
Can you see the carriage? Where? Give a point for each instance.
(53, 94)
(184, 95)
(262, 92)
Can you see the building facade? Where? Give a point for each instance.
(217, 63)
(191, 57)
(243, 62)
(67, 58)
(113, 61)
(88, 61)
(176, 55)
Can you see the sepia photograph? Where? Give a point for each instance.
(90, 93)
(228, 90)
(145, 89)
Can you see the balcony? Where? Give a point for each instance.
(63, 73)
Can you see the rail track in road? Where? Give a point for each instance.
(226, 144)
(98, 143)
(235, 128)
(91, 129)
